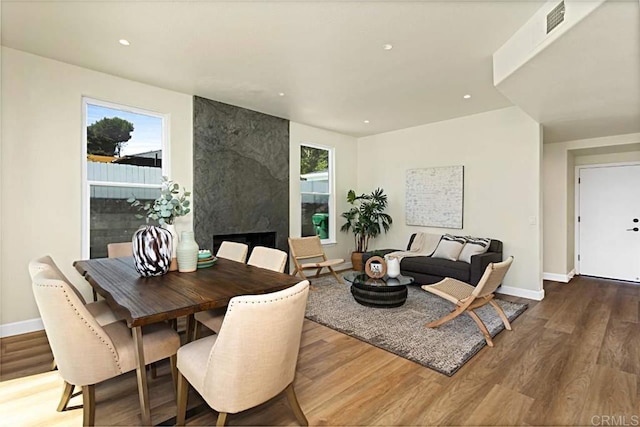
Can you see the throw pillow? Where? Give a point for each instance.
(449, 247)
(473, 246)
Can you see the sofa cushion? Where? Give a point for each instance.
(436, 267)
(449, 247)
(474, 246)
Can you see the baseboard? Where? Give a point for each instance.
(563, 278)
(522, 293)
(18, 328)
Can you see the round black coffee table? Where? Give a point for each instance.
(382, 293)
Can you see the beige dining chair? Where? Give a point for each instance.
(468, 298)
(306, 248)
(251, 360)
(86, 352)
(261, 256)
(233, 251)
(119, 250)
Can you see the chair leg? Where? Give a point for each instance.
(183, 393)
(95, 294)
(503, 316)
(197, 330)
(482, 327)
(222, 418)
(66, 396)
(88, 405)
(54, 365)
(174, 370)
(297, 410)
(318, 272)
(455, 313)
(338, 278)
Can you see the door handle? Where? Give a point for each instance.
(633, 229)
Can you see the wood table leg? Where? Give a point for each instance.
(143, 390)
(191, 321)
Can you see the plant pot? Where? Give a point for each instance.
(356, 261)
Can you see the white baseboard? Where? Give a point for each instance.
(18, 328)
(522, 293)
(563, 278)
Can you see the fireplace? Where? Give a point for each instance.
(267, 239)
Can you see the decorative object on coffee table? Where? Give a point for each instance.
(393, 266)
(165, 209)
(375, 267)
(151, 250)
(366, 219)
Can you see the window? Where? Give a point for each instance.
(316, 192)
(123, 156)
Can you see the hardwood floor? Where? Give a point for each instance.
(572, 359)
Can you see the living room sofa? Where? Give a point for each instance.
(426, 270)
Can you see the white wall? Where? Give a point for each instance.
(345, 179)
(559, 161)
(501, 154)
(41, 165)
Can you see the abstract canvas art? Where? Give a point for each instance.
(434, 196)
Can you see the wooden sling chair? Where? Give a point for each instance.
(305, 248)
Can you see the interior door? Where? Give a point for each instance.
(609, 222)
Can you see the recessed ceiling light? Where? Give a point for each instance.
(387, 46)
(366, 121)
(467, 96)
(124, 42)
(280, 93)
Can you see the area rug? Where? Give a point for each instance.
(402, 330)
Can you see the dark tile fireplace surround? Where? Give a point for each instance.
(241, 176)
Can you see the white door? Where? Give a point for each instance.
(609, 222)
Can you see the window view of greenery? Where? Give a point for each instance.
(124, 159)
(315, 191)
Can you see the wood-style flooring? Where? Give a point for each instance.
(571, 359)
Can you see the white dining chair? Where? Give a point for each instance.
(251, 360)
(233, 250)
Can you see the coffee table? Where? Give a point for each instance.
(381, 293)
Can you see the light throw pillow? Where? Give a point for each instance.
(473, 246)
(449, 247)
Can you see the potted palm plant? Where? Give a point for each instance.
(366, 219)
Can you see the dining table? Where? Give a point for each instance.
(142, 301)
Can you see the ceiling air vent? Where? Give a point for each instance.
(555, 17)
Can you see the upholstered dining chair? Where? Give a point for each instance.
(251, 360)
(261, 256)
(468, 298)
(306, 248)
(118, 250)
(86, 352)
(233, 250)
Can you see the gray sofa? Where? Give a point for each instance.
(426, 270)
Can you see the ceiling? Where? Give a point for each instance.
(317, 63)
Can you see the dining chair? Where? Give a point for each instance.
(306, 248)
(87, 352)
(261, 256)
(251, 360)
(468, 298)
(233, 250)
(118, 250)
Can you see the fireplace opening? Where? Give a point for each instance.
(267, 239)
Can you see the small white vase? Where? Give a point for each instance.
(393, 267)
(187, 253)
(174, 245)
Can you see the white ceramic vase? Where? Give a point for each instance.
(187, 253)
(393, 267)
(174, 245)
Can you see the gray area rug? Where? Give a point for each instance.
(401, 330)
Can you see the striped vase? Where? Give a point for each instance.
(152, 250)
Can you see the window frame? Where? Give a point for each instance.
(86, 184)
(332, 191)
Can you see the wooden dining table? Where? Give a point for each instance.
(145, 300)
